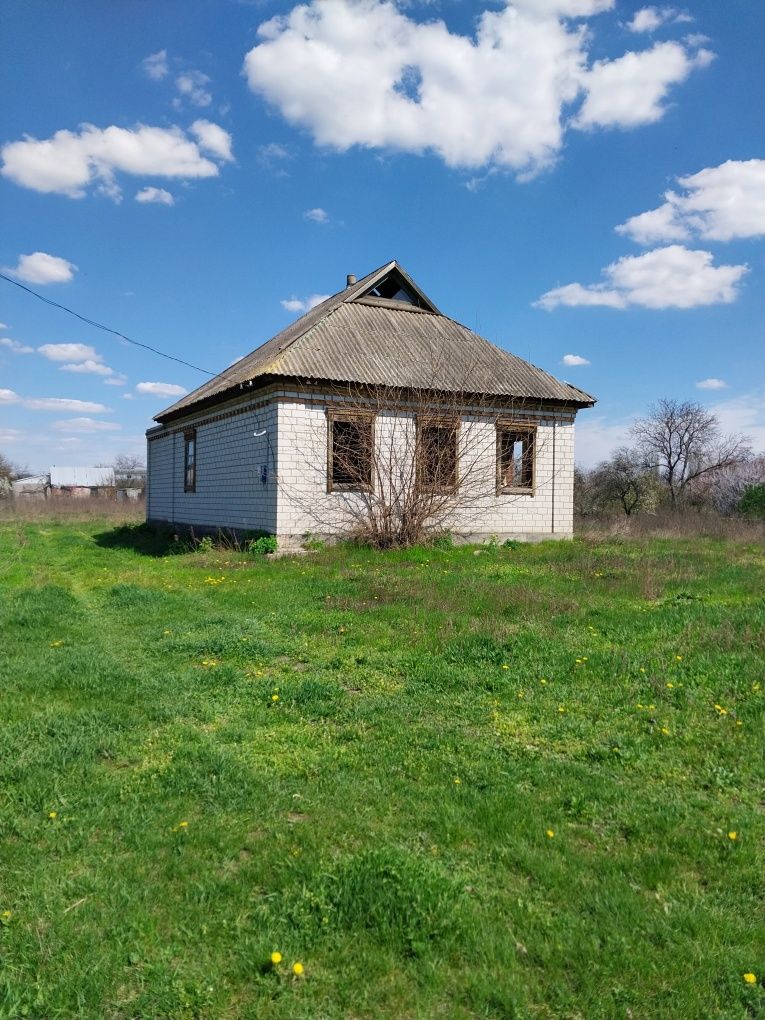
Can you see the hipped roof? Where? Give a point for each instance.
(358, 338)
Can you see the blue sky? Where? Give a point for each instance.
(192, 173)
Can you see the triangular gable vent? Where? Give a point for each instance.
(395, 288)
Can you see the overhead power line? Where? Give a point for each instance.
(114, 332)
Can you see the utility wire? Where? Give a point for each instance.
(114, 332)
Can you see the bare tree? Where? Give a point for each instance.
(624, 479)
(11, 471)
(125, 463)
(683, 442)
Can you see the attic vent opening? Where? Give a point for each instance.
(394, 290)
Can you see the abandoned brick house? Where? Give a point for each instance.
(288, 440)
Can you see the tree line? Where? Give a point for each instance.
(679, 458)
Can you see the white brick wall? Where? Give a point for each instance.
(229, 493)
(306, 506)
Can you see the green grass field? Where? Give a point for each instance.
(509, 783)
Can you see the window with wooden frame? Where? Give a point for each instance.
(349, 451)
(516, 444)
(437, 454)
(190, 461)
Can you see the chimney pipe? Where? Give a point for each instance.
(350, 280)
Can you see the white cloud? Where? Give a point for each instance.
(128, 396)
(273, 152)
(88, 367)
(720, 203)
(213, 139)
(85, 425)
(69, 352)
(671, 277)
(15, 346)
(116, 380)
(9, 397)
(39, 267)
(294, 304)
(161, 389)
(63, 404)
(158, 195)
(360, 72)
(9, 435)
(155, 65)
(574, 295)
(70, 161)
(316, 215)
(192, 86)
(631, 90)
(648, 19)
(712, 384)
(574, 360)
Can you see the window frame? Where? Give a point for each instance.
(526, 432)
(355, 416)
(190, 439)
(440, 422)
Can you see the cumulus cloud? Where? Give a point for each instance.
(88, 367)
(294, 304)
(316, 215)
(155, 65)
(158, 195)
(671, 277)
(63, 404)
(71, 161)
(631, 90)
(69, 352)
(15, 346)
(39, 267)
(360, 72)
(719, 203)
(712, 384)
(85, 425)
(161, 389)
(648, 19)
(213, 139)
(574, 360)
(192, 85)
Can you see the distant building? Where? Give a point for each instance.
(81, 482)
(32, 487)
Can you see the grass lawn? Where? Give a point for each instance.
(506, 783)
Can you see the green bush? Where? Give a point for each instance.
(753, 501)
(264, 544)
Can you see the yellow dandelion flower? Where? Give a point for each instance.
(276, 957)
(751, 979)
(56, 644)
(733, 835)
(274, 697)
(665, 731)
(549, 833)
(53, 814)
(543, 681)
(670, 685)
(297, 968)
(504, 666)
(678, 658)
(561, 709)
(6, 915)
(642, 669)
(457, 781)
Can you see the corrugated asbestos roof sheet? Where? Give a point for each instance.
(352, 338)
